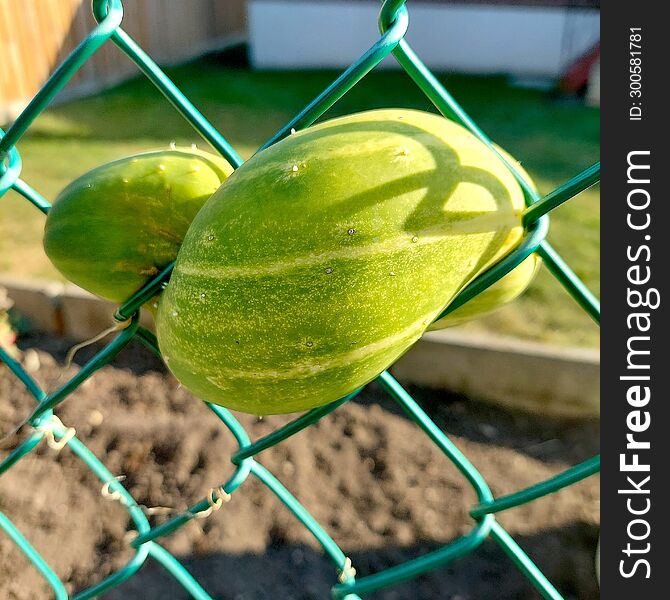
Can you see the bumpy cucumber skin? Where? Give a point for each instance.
(323, 258)
(116, 226)
(502, 292)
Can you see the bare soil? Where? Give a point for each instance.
(366, 473)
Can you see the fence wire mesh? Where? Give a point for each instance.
(393, 24)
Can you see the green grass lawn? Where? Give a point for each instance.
(553, 142)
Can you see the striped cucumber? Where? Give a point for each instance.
(502, 292)
(324, 258)
(118, 225)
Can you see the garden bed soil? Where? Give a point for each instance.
(366, 473)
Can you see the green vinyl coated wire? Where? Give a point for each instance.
(393, 24)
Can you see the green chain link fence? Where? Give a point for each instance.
(393, 23)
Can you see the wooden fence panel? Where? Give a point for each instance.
(36, 35)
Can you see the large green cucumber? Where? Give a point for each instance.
(116, 226)
(323, 258)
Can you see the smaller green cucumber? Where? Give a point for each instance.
(118, 225)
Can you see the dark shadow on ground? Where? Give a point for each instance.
(545, 438)
(298, 572)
